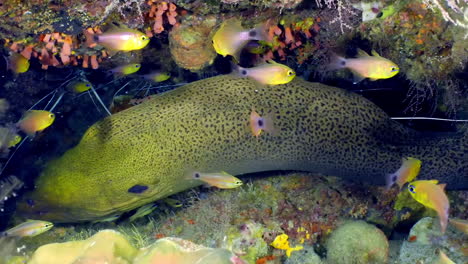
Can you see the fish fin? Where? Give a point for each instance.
(390, 180)
(442, 186)
(111, 52)
(362, 53)
(336, 62)
(225, 173)
(189, 174)
(373, 79)
(374, 53)
(239, 71)
(116, 27)
(433, 181)
(236, 56)
(269, 124)
(259, 32)
(357, 77)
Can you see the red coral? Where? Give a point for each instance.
(158, 10)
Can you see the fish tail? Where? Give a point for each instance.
(390, 180)
(238, 70)
(269, 124)
(443, 219)
(336, 62)
(259, 33)
(91, 38)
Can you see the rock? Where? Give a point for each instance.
(105, 246)
(109, 246)
(426, 239)
(357, 242)
(175, 250)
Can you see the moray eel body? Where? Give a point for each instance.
(146, 153)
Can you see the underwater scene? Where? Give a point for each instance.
(234, 131)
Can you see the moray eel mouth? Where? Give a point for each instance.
(144, 153)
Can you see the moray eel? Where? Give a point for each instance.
(144, 153)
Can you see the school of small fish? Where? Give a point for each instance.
(229, 40)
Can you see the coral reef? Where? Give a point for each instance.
(428, 52)
(357, 242)
(105, 246)
(8, 186)
(425, 237)
(305, 256)
(108, 246)
(191, 46)
(426, 38)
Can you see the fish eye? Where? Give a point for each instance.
(196, 175)
(290, 73)
(394, 69)
(260, 122)
(51, 115)
(88, 85)
(411, 188)
(138, 65)
(143, 37)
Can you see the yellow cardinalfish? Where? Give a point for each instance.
(366, 66)
(126, 69)
(79, 86)
(35, 121)
(18, 63)
(118, 39)
(29, 228)
(258, 124)
(460, 224)
(143, 211)
(281, 242)
(13, 142)
(157, 76)
(8, 138)
(269, 73)
(407, 172)
(231, 37)
(222, 180)
(432, 195)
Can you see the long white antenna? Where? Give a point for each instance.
(429, 118)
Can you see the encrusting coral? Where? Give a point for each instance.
(108, 246)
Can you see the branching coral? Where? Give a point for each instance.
(345, 13)
(453, 11)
